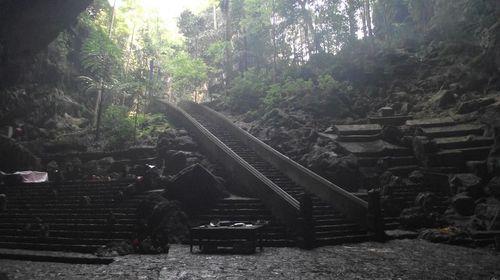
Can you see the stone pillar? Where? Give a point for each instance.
(307, 225)
(375, 218)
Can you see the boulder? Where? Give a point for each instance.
(392, 134)
(176, 160)
(443, 99)
(16, 157)
(162, 221)
(463, 204)
(487, 214)
(474, 105)
(450, 235)
(416, 177)
(426, 201)
(493, 187)
(416, 217)
(186, 143)
(493, 161)
(196, 188)
(466, 182)
(422, 147)
(386, 112)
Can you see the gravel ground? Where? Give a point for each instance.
(399, 259)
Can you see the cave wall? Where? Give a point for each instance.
(27, 27)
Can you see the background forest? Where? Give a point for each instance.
(334, 59)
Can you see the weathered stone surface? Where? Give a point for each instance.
(443, 99)
(474, 105)
(487, 214)
(15, 157)
(28, 26)
(3, 202)
(422, 148)
(393, 135)
(493, 161)
(430, 122)
(356, 129)
(426, 201)
(416, 217)
(466, 182)
(493, 187)
(450, 235)
(463, 204)
(196, 188)
(386, 111)
(416, 176)
(162, 221)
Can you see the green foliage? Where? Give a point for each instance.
(117, 126)
(188, 74)
(247, 90)
(100, 55)
(273, 95)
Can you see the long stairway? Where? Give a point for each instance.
(78, 217)
(330, 226)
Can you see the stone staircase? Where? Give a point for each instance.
(373, 153)
(460, 148)
(78, 217)
(329, 226)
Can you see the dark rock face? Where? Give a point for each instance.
(196, 188)
(443, 99)
(416, 217)
(463, 204)
(450, 235)
(493, 187)
(16, 157)
(466, 182)
(493, 162)
(474, 105)
(161, 220)
(28, 26)
(487, 214)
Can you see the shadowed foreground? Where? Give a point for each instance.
(401, 259)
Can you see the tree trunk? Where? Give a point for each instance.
(368, 18)
(227, 55)
(98, 110)
(273, 30)
(110, 30)
(363, 19)
(353, 26)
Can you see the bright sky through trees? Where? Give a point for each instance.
(169, 10)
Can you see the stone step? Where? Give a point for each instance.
(62, 215)
(435, 122)
(454, 131)
(82, 248)
(390, 121)
(403, 170)
(358, 138)
(357, 129)
(355, 238)
(58, 240)
(70, 234)
(74, 227)
(463, 142)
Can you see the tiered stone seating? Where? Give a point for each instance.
(78, 217)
